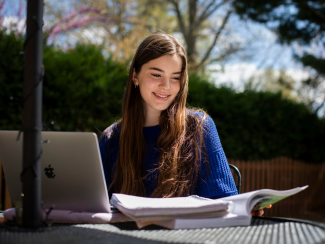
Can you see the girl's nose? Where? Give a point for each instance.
(165, 83)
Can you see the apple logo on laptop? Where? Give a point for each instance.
(49, 172)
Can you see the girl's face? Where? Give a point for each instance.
(159, 82)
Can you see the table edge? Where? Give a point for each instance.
(283, 219)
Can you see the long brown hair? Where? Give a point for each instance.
(180, 142)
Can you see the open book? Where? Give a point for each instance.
(240, 209)
(197, 212)
(145, 211)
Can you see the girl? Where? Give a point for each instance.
(159, 148)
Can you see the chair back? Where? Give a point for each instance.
(238, 186)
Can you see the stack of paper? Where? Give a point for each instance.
(145, 211)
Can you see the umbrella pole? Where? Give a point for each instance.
(32, 117)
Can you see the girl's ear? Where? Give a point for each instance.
(135, 78)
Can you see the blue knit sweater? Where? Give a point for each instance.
(216, 183)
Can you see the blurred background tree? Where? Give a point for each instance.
(204, 22)
(201, 25)
(117, 25)
(297, 22)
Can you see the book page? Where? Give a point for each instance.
(263, 202)
(266, 197)
(245, 202)
(240, 206)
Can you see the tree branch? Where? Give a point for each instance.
(192, 13)
(224, 55)
(206, 13)
(319, 107)
(179, 17)
(207, 54)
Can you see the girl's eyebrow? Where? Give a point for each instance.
(160, 70)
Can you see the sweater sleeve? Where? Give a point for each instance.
(215, 179)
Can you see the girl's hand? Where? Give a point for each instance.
(260, 212)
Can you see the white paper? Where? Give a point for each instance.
(144, 206)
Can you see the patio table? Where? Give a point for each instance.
(262, 230)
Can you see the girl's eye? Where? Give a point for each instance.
(155, 75)
(176, 78)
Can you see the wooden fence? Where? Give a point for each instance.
(280, 173)
(284, 173)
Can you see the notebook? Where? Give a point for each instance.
(72, 173)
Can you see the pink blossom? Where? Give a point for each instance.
(20, 11)
(2, 3)
(77, 19)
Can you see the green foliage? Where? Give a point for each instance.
(293, 20)
(317, 63)
(83, 90)
(260, 125)
(11, 80)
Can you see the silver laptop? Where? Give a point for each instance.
(72, 173)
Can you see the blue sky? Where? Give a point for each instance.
(11, 7)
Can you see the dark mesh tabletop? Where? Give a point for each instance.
(260, 231)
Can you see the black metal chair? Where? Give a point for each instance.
(238, 186)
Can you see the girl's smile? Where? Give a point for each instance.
(162, 97)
